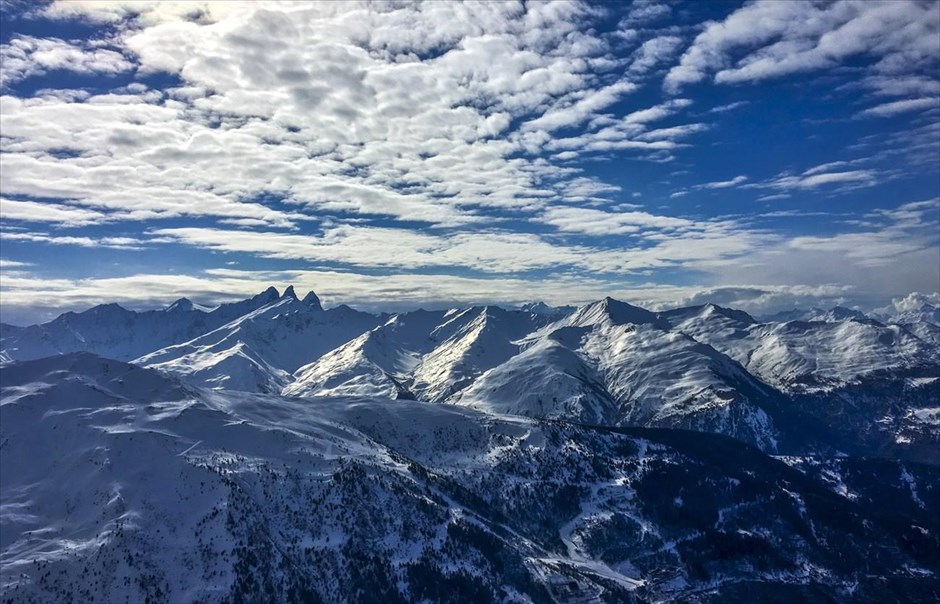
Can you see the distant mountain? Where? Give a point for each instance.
(258, 350)
(833, 315)
(912, 309)
(120, 483)
(115, 332)
(833, 381)
(613, 363)
(424, 354)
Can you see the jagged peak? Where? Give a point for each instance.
(271, 294)
(289, 293)
(311, 299)
(181, 305)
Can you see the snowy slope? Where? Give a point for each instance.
(805, 355)
(613, 363)
(782, 386)
(834, 314)
(115, 332)
(373, 364)
(258, 351)
(423, 354)
(118, 483)
(547, 380)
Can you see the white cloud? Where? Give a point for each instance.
(853, 178)
(904, 106)
(728, 107)
(890, 252)
(117, 243)
(489, 252)
(599, 222)
(654, 53)
(725, 184)
(8, 264)
(579, 111)
(62, 215)
(411, 112)
(781, 38)
(26, 56)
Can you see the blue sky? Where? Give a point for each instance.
(762, 155)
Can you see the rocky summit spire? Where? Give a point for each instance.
(267, 296)
(289, 293)
(311, 299)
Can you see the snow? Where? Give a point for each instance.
(111, 471)
(705, 368)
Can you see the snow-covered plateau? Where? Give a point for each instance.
(274, 450)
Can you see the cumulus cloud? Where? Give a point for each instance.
(769, 39)
(441, 137)
(425, 112)
(59, 214)
(26, 56)
(654, 53)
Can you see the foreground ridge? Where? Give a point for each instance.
(139, 487)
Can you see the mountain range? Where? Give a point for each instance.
(274, 449)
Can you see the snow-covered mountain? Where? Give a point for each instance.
(259, 350)
(618, 364)
(121, 483)
(914, 308)
(421, 354)
(782, 386)
(833, 315)
(115, 332)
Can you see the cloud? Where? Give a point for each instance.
(8, 264)
(724, 184)
(653, 53)
(912, 302)
(718, 184)
(61, 215)
(579, 111)
(293, 112)
(897, 107)
(782, 38)
(728, 107)
(599, 222)
(826, 176)
(644, 11)
(361, 246)
(26, 56)
(889, 252)
(116, 243)
(29, 298)
(814, 180)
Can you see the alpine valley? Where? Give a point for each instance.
(271, 450)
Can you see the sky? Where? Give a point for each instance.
(762, 155)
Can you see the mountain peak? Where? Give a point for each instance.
(616, 312)
(737, 315)
(289, 293)
(311, 299)
(269, 295)
(181, 305)
(622, 312)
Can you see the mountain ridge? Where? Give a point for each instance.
(707, 367)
